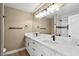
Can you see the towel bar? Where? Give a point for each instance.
(15, 27)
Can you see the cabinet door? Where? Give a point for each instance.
(31, 46)
(28, 45)
(34, 47)
(34, 51)
(27, 42)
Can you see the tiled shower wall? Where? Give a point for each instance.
(61, 25)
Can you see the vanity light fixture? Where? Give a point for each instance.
(50, 9)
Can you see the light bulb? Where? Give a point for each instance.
(48, 9)
(41, 14)
(47, 13)
(44, 13)
(52, 11)
(36, 16)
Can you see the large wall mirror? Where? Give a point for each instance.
(58, 22)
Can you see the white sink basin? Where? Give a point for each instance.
(50, 42)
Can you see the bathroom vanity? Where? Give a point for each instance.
(43, 45)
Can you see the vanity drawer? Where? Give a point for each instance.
(33, 43)
(31, 47)
(34, 51)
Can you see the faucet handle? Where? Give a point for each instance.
(69, 35)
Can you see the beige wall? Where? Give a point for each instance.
(52, 25)
(14, 38)
(40, 24)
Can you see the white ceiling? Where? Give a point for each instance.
(67, 9)
(28, 7)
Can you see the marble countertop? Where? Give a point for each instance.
(64, 46)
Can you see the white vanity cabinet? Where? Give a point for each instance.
(28, 47)
(35, 48)
(31, 46)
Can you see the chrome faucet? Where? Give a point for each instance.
(53, 37)
(36, 34)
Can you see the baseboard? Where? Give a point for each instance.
(13, 51)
